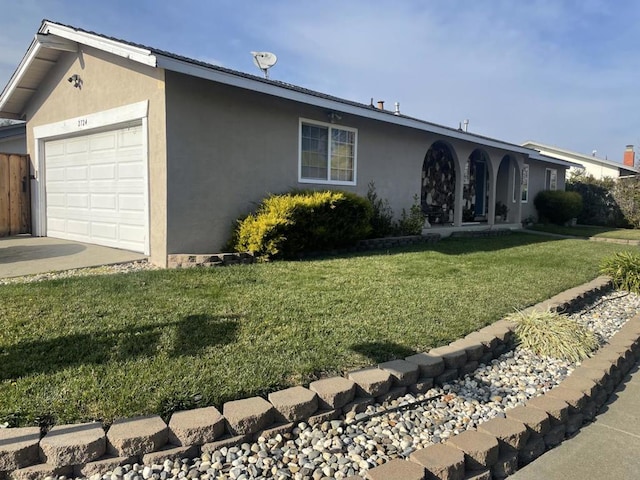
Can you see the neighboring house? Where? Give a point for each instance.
(142, 149)
(13, 139)
(599, 168)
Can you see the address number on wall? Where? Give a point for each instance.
(83, 122)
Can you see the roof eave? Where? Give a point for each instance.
(201, 71)
(14, 81)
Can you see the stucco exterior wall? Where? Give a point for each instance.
(537, 183)
(110, 81)
(228, 148)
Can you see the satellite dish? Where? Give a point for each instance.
(264, 61)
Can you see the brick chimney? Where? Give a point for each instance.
(381, 104)
(629, 156)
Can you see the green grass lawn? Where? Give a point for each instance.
(99, 348)
(589, 231)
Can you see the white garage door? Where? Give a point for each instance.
(96, 188)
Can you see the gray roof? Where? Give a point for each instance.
(16, 130)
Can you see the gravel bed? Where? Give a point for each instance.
(83, 272)
(359, 442)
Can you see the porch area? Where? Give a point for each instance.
(467, 188)
(447, 230)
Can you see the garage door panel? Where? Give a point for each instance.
(96, 189)
(129, 233)
(131, 203)
(130, 137)
(103, 172)
(102, 141)
(78, 227)
(77, 200)
(74, 145)
(104, 230)
(130, 170)
(77, 173)
(104, 201)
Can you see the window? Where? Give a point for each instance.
(525, 184)
(327, 153)
(551, 179)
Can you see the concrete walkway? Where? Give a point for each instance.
(607, 448)
(26, 255)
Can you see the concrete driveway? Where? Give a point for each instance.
(26, 255)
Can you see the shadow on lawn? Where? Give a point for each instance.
(185, 337)
(380, 352)
(451, 246)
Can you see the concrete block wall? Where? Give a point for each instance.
(84, 449)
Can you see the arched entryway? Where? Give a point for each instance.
(475, 197)
(507, 190)
(437, 194)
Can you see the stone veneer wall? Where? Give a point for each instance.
(496, 448)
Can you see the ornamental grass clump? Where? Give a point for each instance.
(550, 334)
(624, 270)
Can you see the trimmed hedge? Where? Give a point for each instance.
(288, 225)
(557, 206)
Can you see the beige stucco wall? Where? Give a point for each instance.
(110, 81)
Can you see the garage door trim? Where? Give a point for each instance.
(85, 125)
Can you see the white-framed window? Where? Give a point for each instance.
(551, 179)
(327, 153)
(525, 184)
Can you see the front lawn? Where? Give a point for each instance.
(103, 347)
(589, 231)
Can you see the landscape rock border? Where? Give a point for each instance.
(547, 421)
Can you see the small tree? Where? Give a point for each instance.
(599, 205)
(382, 214)
(627, 195)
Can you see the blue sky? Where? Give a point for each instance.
(560, 72)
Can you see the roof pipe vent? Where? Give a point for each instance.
(397, 108)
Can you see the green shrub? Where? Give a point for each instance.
(627, 195)
(624, 270)
(557, 206)
(382, 223)
(303, 221)
(599, 206)
(411, 223)
(553, 335)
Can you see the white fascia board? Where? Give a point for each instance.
(32, 52)
(579, 157)
(137, 54)
(556, 161)
(188, 68)
(56, 43)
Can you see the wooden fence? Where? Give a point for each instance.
(15, 195)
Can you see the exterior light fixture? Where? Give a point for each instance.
(75, 80)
